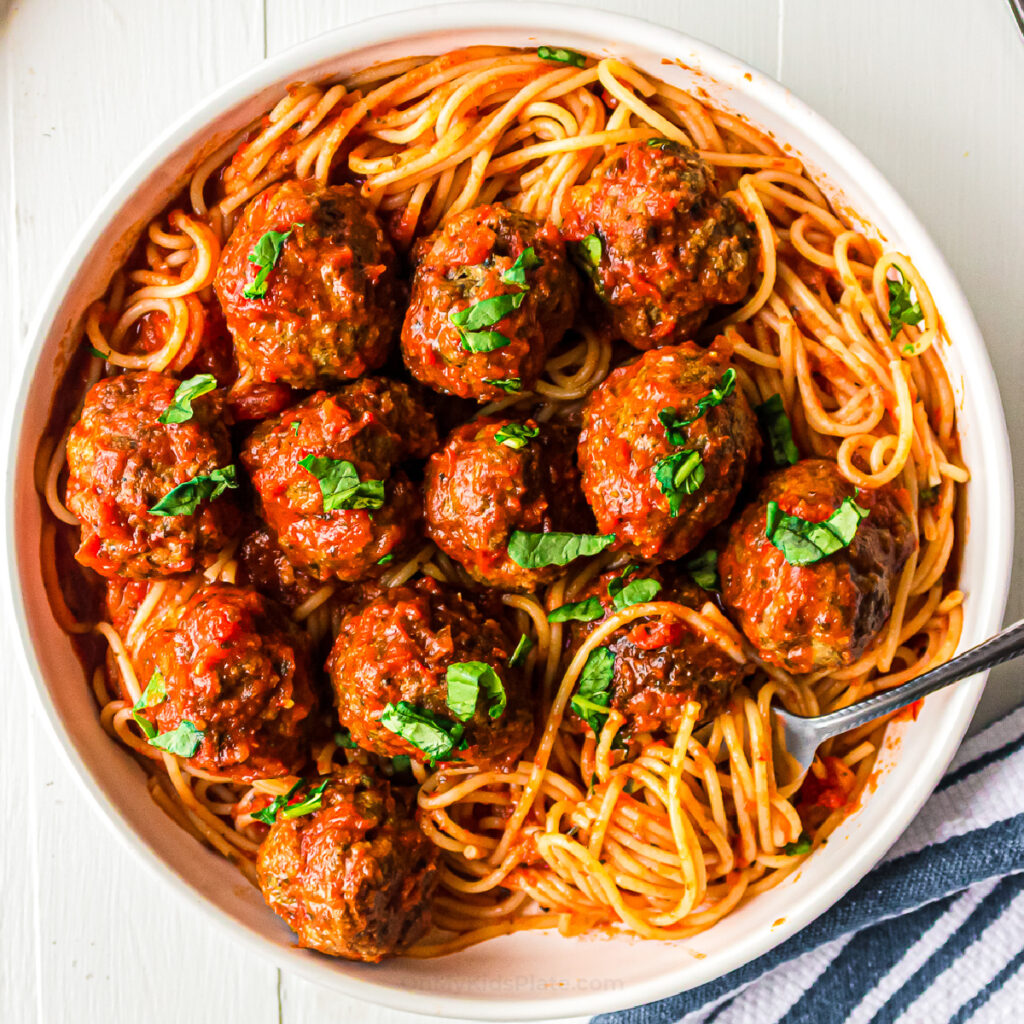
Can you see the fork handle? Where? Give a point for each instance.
(1004, 646)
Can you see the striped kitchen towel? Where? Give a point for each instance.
(934, 934)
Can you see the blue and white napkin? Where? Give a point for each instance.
(934, 934)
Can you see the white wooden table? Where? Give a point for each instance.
(931, 90)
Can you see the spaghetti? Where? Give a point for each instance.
(668, 841)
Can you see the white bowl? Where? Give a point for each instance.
(530, 975)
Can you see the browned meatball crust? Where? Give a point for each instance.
(471, 261)
(397, 649)
(373, 424)
(353, 879)
(330, 311)
(663, 248)
(805, 618)
(631, 463)
(495, 476)
(122, 461)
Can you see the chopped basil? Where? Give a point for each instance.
(183, 740)
(804, 543)
(96, 352)
(465, 680)
(295, 428)
(591, 249)
(635, 592)
(516, 274)
(775, 423)
(511, 385)
(180, 409)
(386, 559)
(535, 550)
(903, 309)
(679, 474)
(802, 845)
(928, 495)
(516, 435)
(667, 145)
(340, 485)
(343, 738)
(485, 313)
(437, 737)
(268, 814)
(703, 569)
(401, 763)
(593, 693)
(673, 424)
(562, 56)
(154, 693)
(522, 650)
(578, 611)
(313, 801)
(265, 255)
(184, 499)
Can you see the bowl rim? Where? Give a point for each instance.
(528, 17)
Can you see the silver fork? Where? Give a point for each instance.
(803, 735)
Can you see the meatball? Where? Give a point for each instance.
(263, 564)
(659, 245)
(355, 877)
(497, 256)
(395, 652)
(122, 461)
(330, 308)
(805, 618)
(364, 429)
(660, 663)
(655, 479)
(235, 668)
(494, 476)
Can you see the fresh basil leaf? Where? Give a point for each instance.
(486, 312)
(615, 585)
(483, 341)
(96, 352)
(180, 410)
(578, 611)
(312, 801)
(511, 385)
(184, 499)
(154, 693)
(667, 145)
(435, 736)
(386, 559)
(401, 763)
(343, 738)
(184, 740)
(516, 435)
(295, 428)
(522, 650)
(340, 485)
(147, 727)
(802, 845)
(803, 542)
(928, 495)
(593, 692)
(903, 309)
(636, 592)
(562, 56)
(465, 680)
(590, 250)
(265, 255)
(673, 423)
(679, 474)
(772, 415)
(268, 814)
(535, 550)
(516, 274)
(703, 569)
